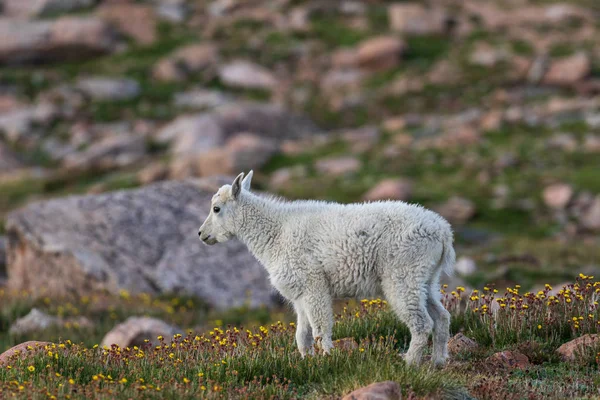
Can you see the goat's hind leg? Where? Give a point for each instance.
(441, 325)
(409, 303)
(304, 337)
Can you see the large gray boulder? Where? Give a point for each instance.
(142, 240)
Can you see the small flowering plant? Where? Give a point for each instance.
(513, 316)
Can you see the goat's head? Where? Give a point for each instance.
(220, 225)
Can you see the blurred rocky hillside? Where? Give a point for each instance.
(487, 111)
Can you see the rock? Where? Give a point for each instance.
(590, 219)
(465, 266)
(2, 258)
(361, 139)
(22, 351)
(445, 72)
(8, 160)
(487, 56)
(563, 141)
(38, 8)
(387, 390)
(142, 240)
(174, 11)
(380, 53)
(202, 99)
(415, 19)
(137, 21)
(557, 196)
(345, 344)
(457, 210)
(185, 61)
(134, 330)
(153, 173)
(284, 176)
(390, 189)
(108, 153)
(243, 152)
(509, 359)
(196, 134)
(247, 75)
(591, 143)
(109, 89)
(460, 343)
(571, 351)
(63, 39)
(338, 166)
(37, 321)
(20, 124)
(568, 70)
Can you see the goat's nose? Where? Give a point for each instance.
(199, 233)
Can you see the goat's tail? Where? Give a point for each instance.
(448, 256)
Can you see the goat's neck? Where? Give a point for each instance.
(260, 226)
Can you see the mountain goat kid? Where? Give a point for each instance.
(317, 251)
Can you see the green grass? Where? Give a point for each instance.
(262, 361)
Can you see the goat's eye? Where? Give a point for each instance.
(216, 209)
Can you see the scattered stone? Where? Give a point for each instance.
(8, 160)
(20, 124)
(486, 55)
(380, 53)
(346, 344)
(445, 72)
(390, 189)
(284, 176)
(153, 173)
(247, 75)
(200, 133)
(557, 196)
(571, 350)
(37, 321)
(509, 359)
(135, 330)
(22, 351)
(457, 210)
(185, 61)
(39, 8)
(2, 258)
(137, 21)
(563, 141)
(63, 39)
(460, 343)
(387, 390)
(415, 19)
(338, 166)
(142, 240)
(242, 152)
(202, 99)
(108, 153)
(591, 143)
(465, 266)
(109, 89)
(172, 11)
(568, 70)
(590, 219)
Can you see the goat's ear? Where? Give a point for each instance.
(236, 186)
(247, 181)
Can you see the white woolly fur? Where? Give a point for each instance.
(317, 251)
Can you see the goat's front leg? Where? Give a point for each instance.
(304, 337)
(318, 307)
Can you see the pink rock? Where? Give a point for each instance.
(509, 359)
(569, 351)
(22, 351)
(558, 195)
(338, 166)
(568, 70)
(380, 53)
(387, 390)
(390, 189)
